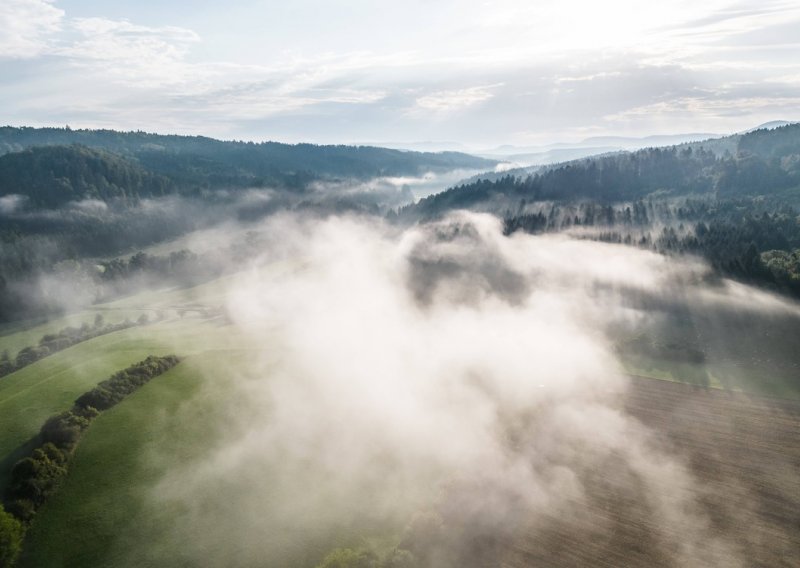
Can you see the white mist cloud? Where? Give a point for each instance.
(11, 203)
(445, 367)
(455, 100)
(91, 206)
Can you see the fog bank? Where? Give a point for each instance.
(444, 377)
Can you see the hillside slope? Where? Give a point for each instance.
(200, 162)
(767, 162)
(51, 176)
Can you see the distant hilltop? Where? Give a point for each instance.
(770, 125)
(53, 166)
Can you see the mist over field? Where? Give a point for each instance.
(447, 382)
(53, 263)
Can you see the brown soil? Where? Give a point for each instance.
(744, 455)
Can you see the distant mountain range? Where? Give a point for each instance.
(519, 161)
(604, 143)
(561, 151)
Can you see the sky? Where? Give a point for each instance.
(469, 73)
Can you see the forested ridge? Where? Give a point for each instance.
(767, 163)
(51, 176)
(159, 163)
(749, 239)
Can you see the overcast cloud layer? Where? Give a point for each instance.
(476, 73)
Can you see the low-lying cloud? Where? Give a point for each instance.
(445, 370)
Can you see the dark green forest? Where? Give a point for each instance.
(748, 239)
(51, 176)
(766, 165)
(157, 163)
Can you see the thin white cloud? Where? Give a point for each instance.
(249, 103)
(470, 71)
(455, 100)
(146, 56)
(735, 21)
(683, 113)
(26, 26)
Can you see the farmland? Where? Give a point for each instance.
(743, 452)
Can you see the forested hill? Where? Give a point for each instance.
(766, 163)
(197, 162)
(54, 175)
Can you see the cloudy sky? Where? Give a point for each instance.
(522, 72)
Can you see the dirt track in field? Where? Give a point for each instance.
(744, 454)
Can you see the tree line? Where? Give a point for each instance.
(67, 337)
(766, 163)
(752, 240)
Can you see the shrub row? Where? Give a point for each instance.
(121, 384)
(67, 337)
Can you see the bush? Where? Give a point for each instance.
(365, 558)
(65, 429)
(36, 477)
(11, 533)
(23, 509)
(113, 390)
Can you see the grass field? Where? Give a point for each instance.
(17, 335)
(50, 385)
(104, 495)
(107, 514)
(732, 376)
